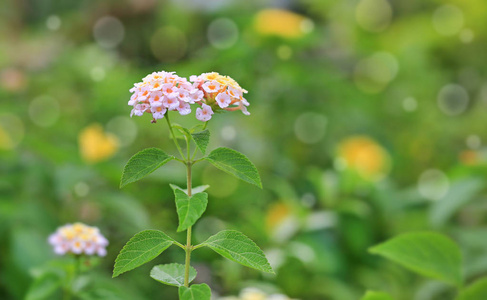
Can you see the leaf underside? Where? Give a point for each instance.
(172, 274)
(194, 190)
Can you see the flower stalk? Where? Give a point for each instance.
(188, 235)
(188, 248)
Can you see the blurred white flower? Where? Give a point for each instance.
(78, 239)
(251, 293)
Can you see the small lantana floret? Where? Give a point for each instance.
(204, 113)
(78, 239)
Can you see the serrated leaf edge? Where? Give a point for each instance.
(165, 161)
(181, 227)
(251, 180)
(170, 241)
(203, 150)
(251, 242)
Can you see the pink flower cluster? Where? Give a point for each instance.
(223, 91)
(162, 91)
(78, 238)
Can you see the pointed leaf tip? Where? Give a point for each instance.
(172, 274)
(201, 139)
(189, 209)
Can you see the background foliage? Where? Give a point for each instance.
(367, 120)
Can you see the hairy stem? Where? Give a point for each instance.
(173, 136)
(196, 148)
(188, 237)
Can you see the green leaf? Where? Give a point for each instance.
(195, 292)
(184, 131)
(236, 164)
(201, 139)
(195, 190)
(372, 295)
(171, 274)
(475, 291)
(427, 253)
(142, 164)
(44, 287)
(198, 127)
(141, 248)
(236, 246)
(189, 208)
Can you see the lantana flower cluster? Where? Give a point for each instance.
(78, 238)
(160, 92)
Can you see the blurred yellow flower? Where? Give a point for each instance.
(282, 23)
(364, 156)
(11, 131)
(277, 213)
(5, 140)
(470, 157)
(96, 145)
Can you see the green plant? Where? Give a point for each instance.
(432, 255)
(157, 94)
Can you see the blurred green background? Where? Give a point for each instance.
(367, 120)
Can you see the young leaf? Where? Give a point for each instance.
(236, 246)
(171, 274)
(201, 139)
(182, 130)
(195, 292)
(475, 291)
(141, 248)
(195, 190)
(372, 295)
(427, 253)
(142, 164)
(236, 164)
(189, 208)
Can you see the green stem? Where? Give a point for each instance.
(196, 148)
(173, 136)
(188, 237)
(68, 291)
